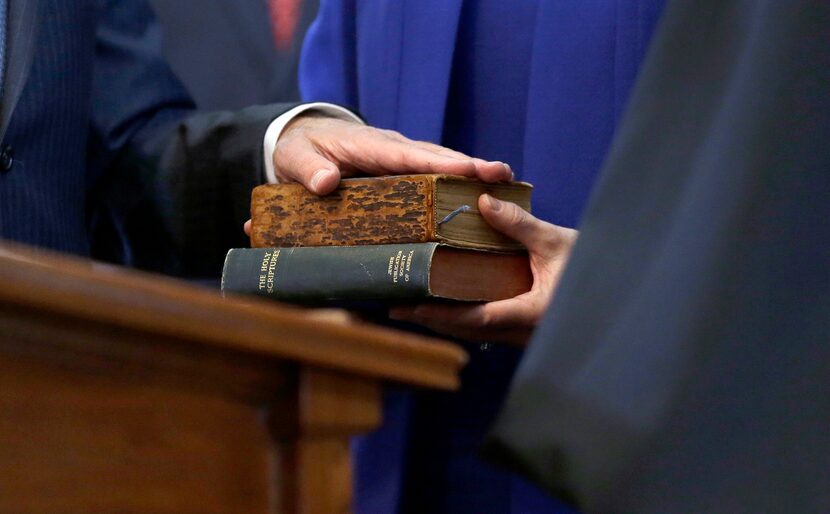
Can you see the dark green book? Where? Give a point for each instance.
(395, 272)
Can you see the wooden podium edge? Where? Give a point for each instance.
(65, 285)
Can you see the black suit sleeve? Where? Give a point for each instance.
(196, 177)
(170, 187)
(684, 364)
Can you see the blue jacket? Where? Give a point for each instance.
(392, 61)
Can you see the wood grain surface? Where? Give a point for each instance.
(122, 299)
(122, 392)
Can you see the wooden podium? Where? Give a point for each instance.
(122, 392)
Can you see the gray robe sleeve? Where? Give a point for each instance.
(684, 364)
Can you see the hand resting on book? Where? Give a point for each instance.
(513, 320)
(316, 151)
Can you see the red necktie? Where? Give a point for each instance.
(284, 15)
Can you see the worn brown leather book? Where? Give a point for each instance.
(383, 210)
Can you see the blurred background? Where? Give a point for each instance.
(255, 41)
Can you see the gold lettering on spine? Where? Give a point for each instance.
(263, 270)
(397, 269)
(270, 274)
(408, 265)
(400, 264)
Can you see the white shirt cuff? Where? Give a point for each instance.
(276, 127)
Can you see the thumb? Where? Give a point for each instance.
(511, 220)
(296, 160)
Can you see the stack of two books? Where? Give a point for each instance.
(399, 238)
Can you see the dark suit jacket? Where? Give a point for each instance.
(684, 365)
(100, 129)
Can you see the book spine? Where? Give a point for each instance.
(314, 274)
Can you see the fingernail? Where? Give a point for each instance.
(318, 177)
(506, 168)
(509, 170)
(495, 205)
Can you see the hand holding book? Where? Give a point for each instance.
(509, 318)
(514, 319)
(317, 151)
